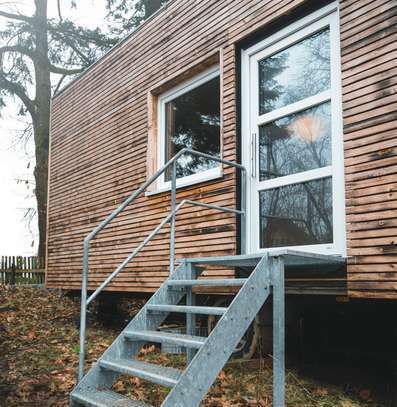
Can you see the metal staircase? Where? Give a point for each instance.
(206, 356)
(188, 387)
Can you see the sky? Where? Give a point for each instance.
(17, 235)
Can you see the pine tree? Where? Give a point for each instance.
(35, 50)
(126, 15)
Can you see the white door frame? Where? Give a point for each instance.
(327, 16)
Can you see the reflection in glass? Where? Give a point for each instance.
(296, 143)
(299, 214)
(193, 121)
(295, 73)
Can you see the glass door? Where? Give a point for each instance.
(296, 191)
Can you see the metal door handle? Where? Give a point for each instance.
(253, 155)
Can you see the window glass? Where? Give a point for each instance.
(295, 143)
(297, 72)
(297, 214)
(193, 121)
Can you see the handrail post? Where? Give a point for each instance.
(169, 219)
(243, 217)
(172, 223)
(83, 312)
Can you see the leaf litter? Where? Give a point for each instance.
(39, 358)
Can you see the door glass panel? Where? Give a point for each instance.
(295, 143)
(298, 214)
(193, 121)
(297, 72)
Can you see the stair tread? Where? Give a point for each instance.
(225, 282)
(291, 258)
(187, 309)
(167, 337)
(105, 398)
(166, 376)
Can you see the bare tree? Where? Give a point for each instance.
(125, 15)
(35, 50)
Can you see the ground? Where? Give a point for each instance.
(39, 357)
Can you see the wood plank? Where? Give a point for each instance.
(99, 143)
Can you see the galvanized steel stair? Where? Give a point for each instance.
(209, 354)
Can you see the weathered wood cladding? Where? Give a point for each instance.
(99, 137)
(369, 83)
(99, 143)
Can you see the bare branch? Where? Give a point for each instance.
(59, 10)
(17, 48)
(13, 16)
(60, 37)
(32, 55)
(65, 71)
(59, 84)
(16, 89)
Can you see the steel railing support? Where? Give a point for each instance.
(277, 276)
(191, 274)
(172, 225)
(83, 312)
(243, 217)
(171, 218)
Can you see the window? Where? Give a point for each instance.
(296, 154)
(189, 116)
(296, 214)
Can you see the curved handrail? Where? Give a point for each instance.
(169, 217)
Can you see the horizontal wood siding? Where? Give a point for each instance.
(100, 132)
(369, 77)
(99, 143)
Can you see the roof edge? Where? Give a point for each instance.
(121, 42)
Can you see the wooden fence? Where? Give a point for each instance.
(19, 270)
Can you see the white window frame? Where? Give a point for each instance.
(166, 97)
(327, 16)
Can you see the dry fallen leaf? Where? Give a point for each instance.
(39, 349)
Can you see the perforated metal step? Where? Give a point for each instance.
(187, 387)
(105, 398)
(215, 282)
(188, 341)
(165, 376)
(187, 309)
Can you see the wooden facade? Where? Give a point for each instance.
(369, 80)
(103, 123)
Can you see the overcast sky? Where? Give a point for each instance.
(15, 198)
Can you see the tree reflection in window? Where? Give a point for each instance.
(193, 121)
(296, 143)
(298, 214)
(295, 73)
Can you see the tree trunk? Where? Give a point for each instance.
(41, 119)
(41, 179)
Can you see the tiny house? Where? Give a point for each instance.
(259, 138)
(301, 93)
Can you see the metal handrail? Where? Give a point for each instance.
(169, 218)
